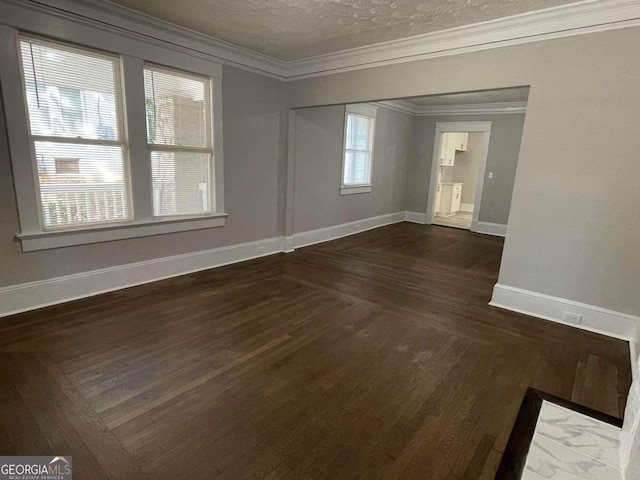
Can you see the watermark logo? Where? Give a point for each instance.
(36, 468)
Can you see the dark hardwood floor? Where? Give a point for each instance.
(373, 356)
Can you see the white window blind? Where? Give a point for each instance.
(74, 107)
(358, 150)
(179, 132)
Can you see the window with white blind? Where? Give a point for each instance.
(178, 109)
(358, 149)
(106, 146)
(74, 105)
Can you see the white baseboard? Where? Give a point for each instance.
(595, 319)
(287, 244)
(29, 296)
(416, 217)
(466, 207)
(497, 229)
(312, 237)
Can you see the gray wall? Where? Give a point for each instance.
(465, 168)
(569, 234)
(502, 160)
(253, 107)
(318, 162)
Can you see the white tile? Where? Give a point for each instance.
(550, 460)
(584, 434)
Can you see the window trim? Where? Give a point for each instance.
(209, 140)
(132, 60)
(367, 111)
(121, 142)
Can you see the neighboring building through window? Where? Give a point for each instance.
(178, 108)
(75, 119)
(109, 146)
(67, 166)
(358, 149)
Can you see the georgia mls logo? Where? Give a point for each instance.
(36, 468)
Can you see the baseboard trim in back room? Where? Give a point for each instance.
(334, 232)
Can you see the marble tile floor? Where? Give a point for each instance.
(459, 220)
(567, 445)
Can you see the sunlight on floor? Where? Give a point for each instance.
(458, 220)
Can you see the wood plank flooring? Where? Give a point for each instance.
(459, 220)
(372, 357)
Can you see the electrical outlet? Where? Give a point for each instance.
(572, 317)
(490, 175)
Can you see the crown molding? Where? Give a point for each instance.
(403, 106)
(472, 109)
(22, 14)
(466, 109)
(584, 17)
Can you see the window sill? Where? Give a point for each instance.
(57, 239)
(355, 190)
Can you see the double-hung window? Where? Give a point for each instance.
(74, 106)
(357, 158)
(178, 108)
(109, 146)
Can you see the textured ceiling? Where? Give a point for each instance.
(293, 29)
(471, 98)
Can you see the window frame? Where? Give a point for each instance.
(210, 140)
(364, 111)
(121, 142)
(133, 55)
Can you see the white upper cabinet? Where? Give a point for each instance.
(459, 141)
(447, 149)
(449, 144)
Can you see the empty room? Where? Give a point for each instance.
(319, 239)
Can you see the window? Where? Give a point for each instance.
(178, 111)
(109, 146)
(358, 149)
(75, 123)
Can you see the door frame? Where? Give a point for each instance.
(448, 127)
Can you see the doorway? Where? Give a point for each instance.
(457, 174)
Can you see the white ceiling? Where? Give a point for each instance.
(519, 94)
(294, 29)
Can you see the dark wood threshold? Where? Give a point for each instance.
(515, 454)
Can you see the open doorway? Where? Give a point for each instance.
(398, 157)
(457, 177)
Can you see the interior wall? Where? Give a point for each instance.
(318, 164)
(465, 168)
(253, 106)
(502, 160)
(569, 236)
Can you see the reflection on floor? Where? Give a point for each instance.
(570, 446)
(459, 220)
